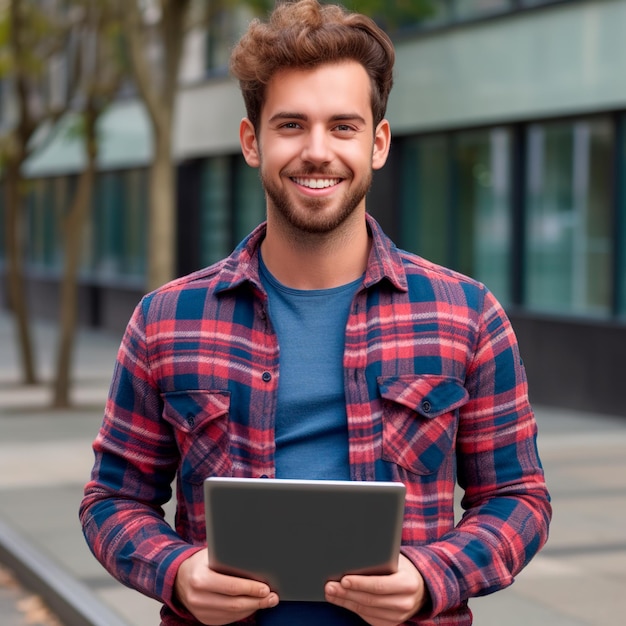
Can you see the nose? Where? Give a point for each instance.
(317, 148)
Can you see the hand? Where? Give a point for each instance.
(381, 600)
(217, 599)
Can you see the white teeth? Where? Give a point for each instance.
(317, 183)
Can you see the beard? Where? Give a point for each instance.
(308, 215)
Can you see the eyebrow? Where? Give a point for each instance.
(342, 117)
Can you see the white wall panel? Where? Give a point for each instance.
(559, 60)
(207, 119)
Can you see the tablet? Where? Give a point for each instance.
(295, 535)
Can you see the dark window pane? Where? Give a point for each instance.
(569, 245)
(483, 223)
(215, 239)
(249, 199)
(424, 198)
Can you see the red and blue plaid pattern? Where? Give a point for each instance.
(435, 394)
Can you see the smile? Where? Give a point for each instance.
(317, 183)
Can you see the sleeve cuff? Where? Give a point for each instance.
(170, 597)
(442, 587)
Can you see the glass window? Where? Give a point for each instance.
(58, 208)
(45, 204)
(32, 222)
(88, 250)
(456, 204)
(568, 255)
(135, 235)
(215, 218)
(621, 208)
(424, 198)
(249, 205)
(109, 217)
(48, 203)
(118, 227)
(220, 37)
(483, 216)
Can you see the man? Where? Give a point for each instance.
(319, 350)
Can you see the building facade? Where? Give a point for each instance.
(507, 164)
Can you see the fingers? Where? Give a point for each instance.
(365, 600)
(231, 601)
(215, 598)
(377, 610)
(232, 586)
(195, 574)
(226, 599)
(383, 586)
(381, 600)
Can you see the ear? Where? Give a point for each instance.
(248, 141)
(382, 144)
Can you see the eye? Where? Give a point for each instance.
(345, 129)
(290, 126)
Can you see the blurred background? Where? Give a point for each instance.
(121, 166)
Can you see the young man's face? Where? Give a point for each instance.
(316, 145)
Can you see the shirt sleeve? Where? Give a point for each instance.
(135, 463)
(506, 503)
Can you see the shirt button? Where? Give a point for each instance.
(266, 377)
(191, 420)
(426, 406)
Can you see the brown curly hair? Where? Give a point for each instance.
(304, 35)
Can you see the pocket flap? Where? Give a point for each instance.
(429, 395)
(189, 409)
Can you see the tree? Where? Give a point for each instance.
(155, 32)
(30, 38)
(97, 74)
(34, 35)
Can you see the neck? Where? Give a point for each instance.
(312, 261)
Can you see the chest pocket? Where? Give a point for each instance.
(420, 419)
(201, 427)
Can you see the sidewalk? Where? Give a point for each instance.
(45, 460)
(579, 579)
(20, 606)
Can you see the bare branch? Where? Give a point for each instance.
(136, 41)
(173, 32)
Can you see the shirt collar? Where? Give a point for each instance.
(384, 262)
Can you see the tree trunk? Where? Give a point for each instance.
(162, 220)
(17, 292)
(74, 226)
(158, 86)
(73, 231)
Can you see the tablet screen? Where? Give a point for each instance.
(295, 535)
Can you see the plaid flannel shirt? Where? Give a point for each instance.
(435, 391)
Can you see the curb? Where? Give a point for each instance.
(73, 602)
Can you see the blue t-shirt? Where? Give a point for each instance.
(311, 422)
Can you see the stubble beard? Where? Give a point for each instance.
(310, 218)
